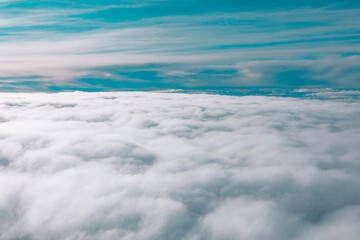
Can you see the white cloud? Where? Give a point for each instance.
(133, 165)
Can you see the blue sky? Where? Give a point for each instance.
(157, 44)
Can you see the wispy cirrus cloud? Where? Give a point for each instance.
(62, 43)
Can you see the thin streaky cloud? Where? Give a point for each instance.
(39, 39)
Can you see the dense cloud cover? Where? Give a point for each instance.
(178, 166)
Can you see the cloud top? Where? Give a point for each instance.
(133, 165)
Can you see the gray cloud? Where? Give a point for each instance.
(178, 166)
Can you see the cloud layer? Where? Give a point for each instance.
(137, 165)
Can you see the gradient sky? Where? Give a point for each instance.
(159, 44)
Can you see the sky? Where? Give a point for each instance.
(171, 166)
(109, 45)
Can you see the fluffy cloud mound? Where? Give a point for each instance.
(178, 166)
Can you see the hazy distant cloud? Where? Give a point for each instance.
(329, 72)
(175, 166)
(325, 73)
